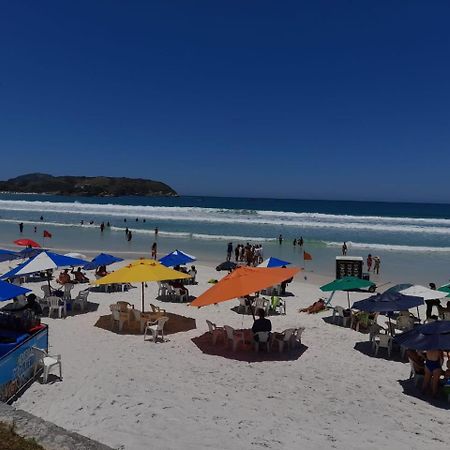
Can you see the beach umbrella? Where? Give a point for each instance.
(103, 259)
(9, 291)
(431, 336)
(142, 271)
(8, 255)
(227, 265)
(27, 243)
(424, 292)
(446, 289)
(176, 258)
(29, 252)
(273, 262)
(43, 261)
(399, 287)
(346, 284)
(243, 281)
(388, 302)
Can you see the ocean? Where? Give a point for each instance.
(412, 239)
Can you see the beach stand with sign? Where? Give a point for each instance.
(349, 266)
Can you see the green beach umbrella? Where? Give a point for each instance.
(445, 288)
(346, 284)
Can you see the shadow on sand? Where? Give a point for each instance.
(411, 390)
(247, 353)
(175, 324)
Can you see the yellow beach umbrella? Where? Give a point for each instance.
(142, 271)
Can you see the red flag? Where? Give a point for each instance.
(47, 234)
(307, 256)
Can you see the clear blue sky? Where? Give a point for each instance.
(319, 99)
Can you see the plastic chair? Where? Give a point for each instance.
(180, 295)
(296, 338)
(58, 305)
(143, 318)
(81, 300)
(156, 328)
(43, 359)
(66, 294)
(338, 312)
(405, 323)
(46, 290)
(118, 316)
(262, 303)
(162, 289)
(263, 338)
(215, 331)
(244, 305)
(233, 336)
(383, 341)
(284, 339)
(278, 305)
(157, 309)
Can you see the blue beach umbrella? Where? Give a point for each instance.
(9, 291)
(176, 258)
(388, 302)
(103, 259)
(273, 262)
(29, 252)
(8, 255)
(431, 336)
(41, 262)
(399, 287)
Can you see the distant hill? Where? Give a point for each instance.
(41, 183)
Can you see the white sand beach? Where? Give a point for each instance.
(133, 395)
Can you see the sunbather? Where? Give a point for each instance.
(315, 307)
(80, 277)
(64, 277)
(433, 370)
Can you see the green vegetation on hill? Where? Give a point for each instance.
(40, 183)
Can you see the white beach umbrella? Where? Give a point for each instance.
(426, 293)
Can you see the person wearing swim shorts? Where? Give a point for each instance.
(433, 370)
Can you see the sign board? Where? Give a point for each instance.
(349, 266)
(17, 366)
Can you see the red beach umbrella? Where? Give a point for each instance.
(27, 243)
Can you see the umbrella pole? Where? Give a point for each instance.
(348, 299)
(418, 313)
(142, 292)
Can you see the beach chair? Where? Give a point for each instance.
(66, 293)
(193, 275)
(234, 337)
(244, 305)
(278, 305)
(155, 328)
(143, 318)
(118, 317)
(215, 331)
(46, 361)
(157, 309)
(81, 300)
(284, 339)
(296, 338)
(383, 341)
(262, 303)
(181, 296)
(58, 305)
(404, 323)
(162, 289)
(262, 338)
(338, 313)
(45, 288)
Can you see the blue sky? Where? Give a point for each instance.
(323, 99)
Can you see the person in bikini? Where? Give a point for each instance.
(433, 370)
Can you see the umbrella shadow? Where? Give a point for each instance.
(245, 354)
(175, 324)
(411, 390)
(241, 312)
(329, 320)
(90, 307)
(366, 348)
(167, 299)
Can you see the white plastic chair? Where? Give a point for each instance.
(66, 294)
(233, 336)
(58, 305)
(405, 323)
(338, 312)
(383, 341)
(262, 303)
(296, 338)
(180, 295)
(43, 359)
(284, 339)
(215, 331)
(118, 316)
(157, 309)
(156, 328)
(243, 304)
(81, 300)
(278, 305)
(162, 289)
(46, 290)
(263, 338)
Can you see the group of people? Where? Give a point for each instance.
(429, 364)
(78, 277)
(374, 261)
(252, 255)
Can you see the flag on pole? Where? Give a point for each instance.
(307, 256)
(47, 234)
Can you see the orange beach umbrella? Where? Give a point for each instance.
(244, 281)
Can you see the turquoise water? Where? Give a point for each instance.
(413, 240)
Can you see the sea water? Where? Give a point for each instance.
(412, 240)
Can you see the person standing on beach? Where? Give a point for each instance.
(154, 250)
(129, 236)
(236, 252)
(35, 229)
(21, 227)
(376, 264)
(126, 231)
(156, 231)
(300, 241)
(102, 227)
(344, 249)
(280, 239)
(229, 250)
(295, 242)
(369, 262)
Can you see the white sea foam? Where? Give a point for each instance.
(390, 247)
(232, 216)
